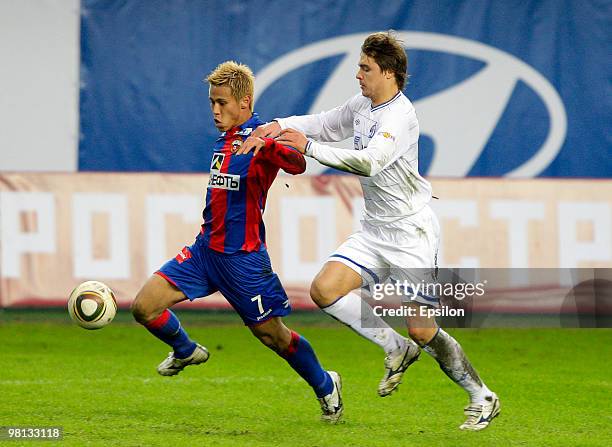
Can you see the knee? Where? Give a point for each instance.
(322, 292)
(140, 312)
(421, 335)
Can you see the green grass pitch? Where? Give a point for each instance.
(101, 386)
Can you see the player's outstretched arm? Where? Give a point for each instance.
(293, 138)
(367, 162)
(268, 130)
(381, 152)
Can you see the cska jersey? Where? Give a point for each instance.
(237, 189)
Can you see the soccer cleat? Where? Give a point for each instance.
(331, 405)
(479, 416)
(171, 366)
(396, 364)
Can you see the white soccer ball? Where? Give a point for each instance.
(92, 305)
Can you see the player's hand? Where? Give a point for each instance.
(252, 143)
(293, 138)
(269, 130)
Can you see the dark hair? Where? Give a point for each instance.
(389, 54)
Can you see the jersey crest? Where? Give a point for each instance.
(236, 144)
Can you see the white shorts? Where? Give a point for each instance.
(404, 252)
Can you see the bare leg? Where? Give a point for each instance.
(155, 296)
(150, 308)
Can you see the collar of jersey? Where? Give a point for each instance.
(379, 106)
(252, 122)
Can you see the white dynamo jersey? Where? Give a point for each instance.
(385, 155)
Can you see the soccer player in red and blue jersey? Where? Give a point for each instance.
(229, 255)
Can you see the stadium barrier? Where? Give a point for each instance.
(57, 230)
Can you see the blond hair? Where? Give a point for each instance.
(238, 77)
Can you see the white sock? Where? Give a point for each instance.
(359, 316)
(452, 360)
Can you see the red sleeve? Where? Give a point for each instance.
(289, 160)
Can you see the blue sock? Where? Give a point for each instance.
(303, 360)
(167, 328)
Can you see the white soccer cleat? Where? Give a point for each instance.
(171, 366)
(331, 405)
(479, 416)
(396, 364)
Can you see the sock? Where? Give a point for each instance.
(359, 316)
(167, 328)
(453, 361)
(303, 360)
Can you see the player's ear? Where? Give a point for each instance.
(245, 102)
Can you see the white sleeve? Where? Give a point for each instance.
(333, 125)
(382, 150)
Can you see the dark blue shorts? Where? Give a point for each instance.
(245, 279)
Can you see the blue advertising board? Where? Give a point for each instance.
(501, 88)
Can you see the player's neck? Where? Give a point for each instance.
(246, 117)
(243, 118)
(384, 96)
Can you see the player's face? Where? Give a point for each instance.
(227, 111)
(371, 78)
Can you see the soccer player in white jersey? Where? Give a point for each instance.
(400, 233)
